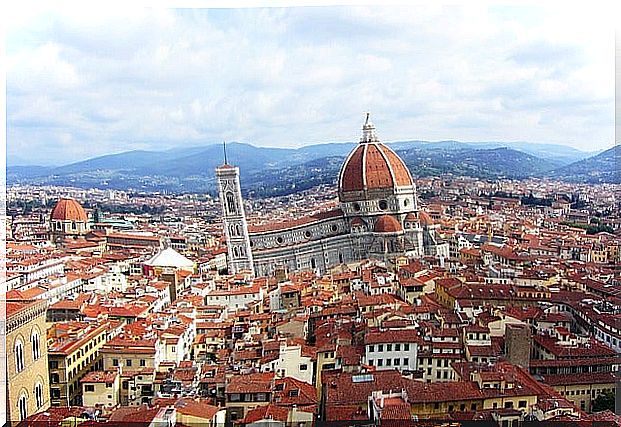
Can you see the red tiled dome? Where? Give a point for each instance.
(357, 221)
(68, 210)
(411, 217)
(373, 166)
(424, 218)
(387, 224)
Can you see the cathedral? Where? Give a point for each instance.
(377, 217)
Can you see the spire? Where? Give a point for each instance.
(224, 147)
(368, 131)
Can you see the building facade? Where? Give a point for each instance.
(26, 362)
(377, 217)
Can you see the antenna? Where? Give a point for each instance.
(224, 147)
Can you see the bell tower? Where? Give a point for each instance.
(234, 219)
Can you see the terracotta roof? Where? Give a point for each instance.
(387, 224)
(68, 210)
(372, 166)
(271, 412)
(199, 408)
(425, 218)
(281, 225)
(100, 377)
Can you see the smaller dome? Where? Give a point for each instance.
(68, 210)
(411, 217)
(357, 222)
(387, 224)
(424, 218)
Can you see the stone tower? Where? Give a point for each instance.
(234, 219)
(518, 344)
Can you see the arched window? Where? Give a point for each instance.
(237, 230)
(235, 252)
(313, 263)
(38, 392)
(22, 404)
(19, 355)
(230, 203)
(35, 340)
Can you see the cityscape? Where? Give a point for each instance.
(356, 281)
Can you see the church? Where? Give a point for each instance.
(378, 217)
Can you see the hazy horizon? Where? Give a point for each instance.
(81, 84)
(17, 161)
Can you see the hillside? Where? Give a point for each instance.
(602, 168)
(266, 171)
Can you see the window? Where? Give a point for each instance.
(53, 364)
(38, 392)
(380, 362)
(108, 385)
(143, 362)
(462, 407)
(54, 378)
(406, 361)
(436, 405)
(304, 367)
(36, 349)
(294, 393)
(55, 392)
(380, 347)
(388, 347)
(115, 362)
(396, 362)
(397, 347)
(125, 385)
(19, 356)
(371, 348)
(406, 347)
(128, 362)
(388, 362)
(508, 405)
(522, 404)
(370, 362)
(473, 407)
(89, 388)
(23, 407)
(230, 203)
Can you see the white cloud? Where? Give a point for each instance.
(119, 78)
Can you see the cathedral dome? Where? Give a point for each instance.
(387, 224)
(373, 166)
(68, 210)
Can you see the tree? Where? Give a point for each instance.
(604, 401)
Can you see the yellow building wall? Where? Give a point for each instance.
(35, 371)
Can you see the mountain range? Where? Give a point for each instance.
(266, 171)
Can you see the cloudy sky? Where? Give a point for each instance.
(85, 83)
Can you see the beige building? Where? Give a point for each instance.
(132, 354)
(27, 380)
(74, 350)
(101, 389)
